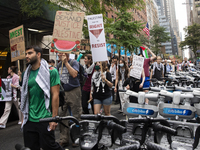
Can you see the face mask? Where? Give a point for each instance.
(121, 65)
(97, 68)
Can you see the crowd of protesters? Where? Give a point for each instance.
(41, 81)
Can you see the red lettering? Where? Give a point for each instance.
(98, 45)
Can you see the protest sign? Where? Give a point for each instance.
(97, 37)
(67, 31)
(137, 64)
(5, 89)
(17, 44)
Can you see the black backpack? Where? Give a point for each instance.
(82, 75)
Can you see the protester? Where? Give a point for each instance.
(8, 104)
(100, 89)
(113, 70)
(70, 82)
(158, 69)
(52, 63)
(146, 70)
(40, 99)
(185, 64)
(167, 67)
(89, 68)
(121, 75)
(134, 85)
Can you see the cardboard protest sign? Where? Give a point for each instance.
(137, 63)
(5, 89)
(67, 31)
(97, 37)
(17, 44)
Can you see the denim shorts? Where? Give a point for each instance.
(107, 101)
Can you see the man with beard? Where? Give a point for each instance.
(40, 99)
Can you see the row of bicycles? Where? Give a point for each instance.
(171, 121)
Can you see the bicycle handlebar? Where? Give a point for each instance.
(159, 127)
(99, 117)
(59, 119)
(116, 126)
(154, 146)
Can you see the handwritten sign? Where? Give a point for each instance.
(5, 89)
(67, 31)
(137, 67)
(97, 37)
(17, 44)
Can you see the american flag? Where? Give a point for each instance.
(146, 29)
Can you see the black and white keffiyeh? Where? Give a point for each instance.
(89, 69)
(96, 79)
(43, 80)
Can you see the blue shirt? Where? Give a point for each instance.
(168, 68)
(68, 82)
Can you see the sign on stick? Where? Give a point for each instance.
(137, 64)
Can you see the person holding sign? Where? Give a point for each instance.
(39, 99)
(8, 104)
(122, 74)
(101, 85)
(70, 82)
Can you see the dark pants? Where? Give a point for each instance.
(113, 94)
(37, 136)
(85, 98)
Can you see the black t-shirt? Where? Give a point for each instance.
(100, 95)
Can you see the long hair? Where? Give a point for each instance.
(13, 68)
(126, 70)
(104, 66)
(89, 56)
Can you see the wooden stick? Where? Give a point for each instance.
(61, 69)
(101, 67)
(18, 62)
(90, 100)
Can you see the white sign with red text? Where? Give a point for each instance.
(97, 37)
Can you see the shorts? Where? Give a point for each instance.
(146, 83)
(107, 101)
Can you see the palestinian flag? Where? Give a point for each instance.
(144, 52)
(2, 90)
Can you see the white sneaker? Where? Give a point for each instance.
(2, 126)
(19, 122)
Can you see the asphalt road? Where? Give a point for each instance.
(12, 135)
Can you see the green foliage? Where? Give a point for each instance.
(192, 38)
(124, 31)
(158, 36)
(33, 8)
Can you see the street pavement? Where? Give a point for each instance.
(11, 135)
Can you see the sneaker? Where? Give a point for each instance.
(2, 126)
(120, 111)
(75, 145)
(19, 122)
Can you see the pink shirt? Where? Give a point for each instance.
(15, 82)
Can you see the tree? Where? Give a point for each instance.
(192, 38)
(158, 36)
(124, 31)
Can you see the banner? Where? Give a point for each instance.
(5, 89)
(97, 37)
(67, 31)
(17, 44)
(137, 64)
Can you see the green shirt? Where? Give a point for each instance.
(37, 108)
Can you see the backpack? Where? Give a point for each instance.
(82, 75)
